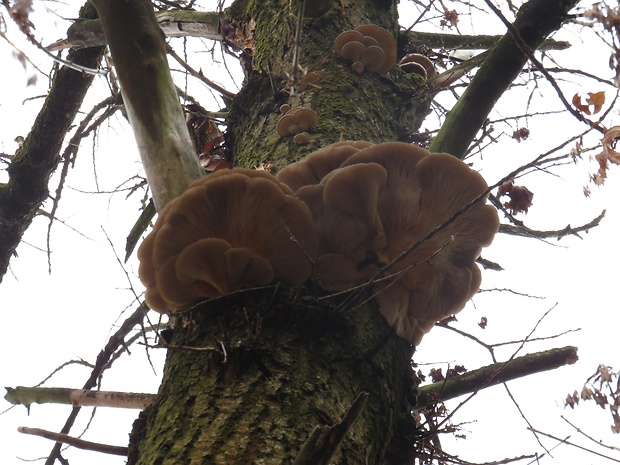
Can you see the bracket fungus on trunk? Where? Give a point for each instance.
(344, 212)
(230, 230)
(371, 203)
(369, 47)
(418, 64)
(296, 121)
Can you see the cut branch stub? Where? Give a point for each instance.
(372, 203)
(231, 230)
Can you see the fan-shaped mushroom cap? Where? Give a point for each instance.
(335, 272)
(440, 274)
(287, 125)
(346, 37)
(297, 120)
(302, 138)
(230, 230)
(315, 166)
(306, 119)
(386, 42)
(374, 59)
(411, 64)
(350, 223)
(368, 47)
(353, 50)
(422, 192)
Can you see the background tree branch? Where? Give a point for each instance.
(535, 21)
(38, 157)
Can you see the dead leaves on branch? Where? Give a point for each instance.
(520, 197)
(603, 387)
(590, 105)
(609, 154)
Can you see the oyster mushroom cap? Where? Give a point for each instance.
(386, 42)
(229, 230)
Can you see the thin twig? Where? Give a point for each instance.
(75, 442)
(200, 75)
(564, 441)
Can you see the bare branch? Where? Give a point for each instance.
(75, 442)
(38, 157)
(494, 374)
(22, 395)
(83, 34)
(536, 20)
(559, 234)
(325, 440)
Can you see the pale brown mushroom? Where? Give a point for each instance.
(230, 230)
(351, 223)
(419, 193)
(297, 120)
(414, 62)
(414, 68)
(368, 47)
(307, 120)
(346, 37)
(422, 192)
(353, 51)
(386, 43)
(373, 59)
(302, 138)
(315, 166)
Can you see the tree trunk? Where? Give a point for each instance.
(267, 367)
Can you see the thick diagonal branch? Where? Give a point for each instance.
(139, 53)
(535, 21)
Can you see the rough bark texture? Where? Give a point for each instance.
(274, 366)
(39, 156)
(350, 106)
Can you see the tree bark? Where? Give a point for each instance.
(274, 365)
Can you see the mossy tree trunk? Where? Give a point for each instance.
(270, 366)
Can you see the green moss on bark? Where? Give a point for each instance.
(285, 359)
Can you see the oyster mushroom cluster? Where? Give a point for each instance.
(371, 203)
(230, 230)
(369, 47)
(339, 215)
(297, 122)
(415, 63)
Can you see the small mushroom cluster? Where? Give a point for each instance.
(297, 122)
(371, 203)
(416, 63)
(230, 230)
(369, 47)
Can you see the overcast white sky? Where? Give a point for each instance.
(69, 315)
